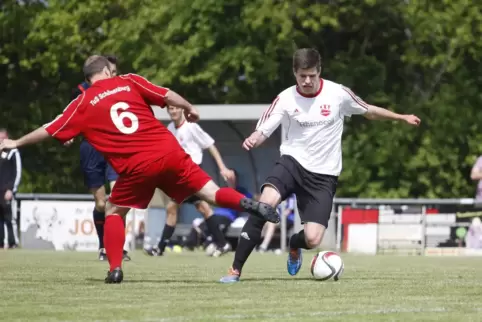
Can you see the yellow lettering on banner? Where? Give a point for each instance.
(76, 228)
(84, 227)
(87, 227)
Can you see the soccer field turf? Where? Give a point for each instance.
(69, 286)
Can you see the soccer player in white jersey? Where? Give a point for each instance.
(194, 140)
(312, 115)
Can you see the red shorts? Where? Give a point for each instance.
(175, 174)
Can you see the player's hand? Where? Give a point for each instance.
(8, 144)
(8, 195)
(192, 115)
(69, 142)
(412, 120)
(228, 175)
(248, 144)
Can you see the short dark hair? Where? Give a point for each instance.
(94, 65)
(306, 58)
(112, 59)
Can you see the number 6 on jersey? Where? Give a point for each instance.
(118, 118)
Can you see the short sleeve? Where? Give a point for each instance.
(201, 137)
(68, 124)
(351, 103)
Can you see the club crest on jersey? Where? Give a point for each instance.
(325, 110)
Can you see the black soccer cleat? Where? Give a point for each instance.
(114, 277)
(260, 209)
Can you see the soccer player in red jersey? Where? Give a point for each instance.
(114, 115)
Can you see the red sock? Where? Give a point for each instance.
(229, 198)
(114, 238)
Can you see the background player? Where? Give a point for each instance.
(115, 116)
(224, 218)
(193, 140)
(96, 171)
(312, 114)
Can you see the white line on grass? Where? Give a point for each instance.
(276, 316)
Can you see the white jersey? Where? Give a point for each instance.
(313, 125)
(192, 138)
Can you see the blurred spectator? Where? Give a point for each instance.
(476, 175)
(473, 239)
(286, 209)
(10, 174)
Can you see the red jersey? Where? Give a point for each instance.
(115, 116)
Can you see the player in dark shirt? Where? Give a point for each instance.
(96, 171)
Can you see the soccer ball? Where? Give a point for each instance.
(326, 265)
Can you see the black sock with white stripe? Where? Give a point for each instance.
(248, 240)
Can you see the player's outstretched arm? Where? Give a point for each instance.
(379, 113)
(174, 99)
(352, 104)
(33, 137)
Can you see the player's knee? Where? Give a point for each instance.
(99, 205)
(313, 237)
(270, 195)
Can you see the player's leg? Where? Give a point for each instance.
(93, 168)
(251, 233)
(315, 202)
(129, 192)
(114, 239)
(213, 226)
(172, 209)
(277, 187)
(7, 215)
(230, 198)
(99, 216)
(2, 225)
(181, 178)
(111, 177)
(270, 228)
(223, 223)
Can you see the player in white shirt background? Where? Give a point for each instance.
(194, 140)
(312, 114)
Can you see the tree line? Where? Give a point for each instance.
(419, 57)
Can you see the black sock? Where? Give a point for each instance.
(298, 240)
(213, 228)
(166, 236)
(99, 219)
(2, 233)
(248, 240)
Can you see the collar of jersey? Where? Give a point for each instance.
(311, 95)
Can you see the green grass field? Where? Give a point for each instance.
(68, 286)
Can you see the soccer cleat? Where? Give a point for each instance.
(260, 209)
(114, 277)
(126, 256)
(154, 251)
(295, 259)
(220, 251)
(102, 254)
(232, 277)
